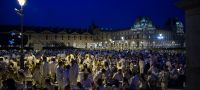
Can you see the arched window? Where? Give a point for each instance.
(62, 37)
(55, 37)
(79, 37)
(68, 37)
(46, 37)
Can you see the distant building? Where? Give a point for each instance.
(142, 35)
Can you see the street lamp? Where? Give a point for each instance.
(21, 14)
(122, 38)
(21, 2)
(160, 36)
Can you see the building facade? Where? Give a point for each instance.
(142, 35)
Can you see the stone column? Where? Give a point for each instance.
(192, 15)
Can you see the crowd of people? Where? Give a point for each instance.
(75, 69)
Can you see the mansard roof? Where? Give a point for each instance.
(39, 29)
(175, 24)
(142, 23)
(114, 30)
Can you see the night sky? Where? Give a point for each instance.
(81, 13)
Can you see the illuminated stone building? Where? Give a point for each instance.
(143, 34)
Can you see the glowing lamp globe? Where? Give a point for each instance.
(21, 2)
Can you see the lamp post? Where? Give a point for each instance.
(122, 47)
(21, 14)
(161, 37)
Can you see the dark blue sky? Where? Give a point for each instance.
(80, 13)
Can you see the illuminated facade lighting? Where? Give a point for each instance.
(160, 36)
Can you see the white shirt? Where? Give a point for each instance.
(45, 69)
(141, 63)
(53, 65)
(80, 76)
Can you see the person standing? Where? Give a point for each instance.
(74, 71)
(163, 78)
(59, 75)
(66, 73)
(141, 65)
(134, 83)
(45, 70)
(87, 82)
(118, 76)
(53, 65)
(37, 75)
(98, 75)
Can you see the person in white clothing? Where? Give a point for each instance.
(53, 65)
(66, 73)
(141, 65)
(118, 75)
(121, 64)
(163, 78)
(74, 72)
(87, 60)
(80, 75)
(59, 75)
(37, 75)
(45, 70)
(98, 76)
